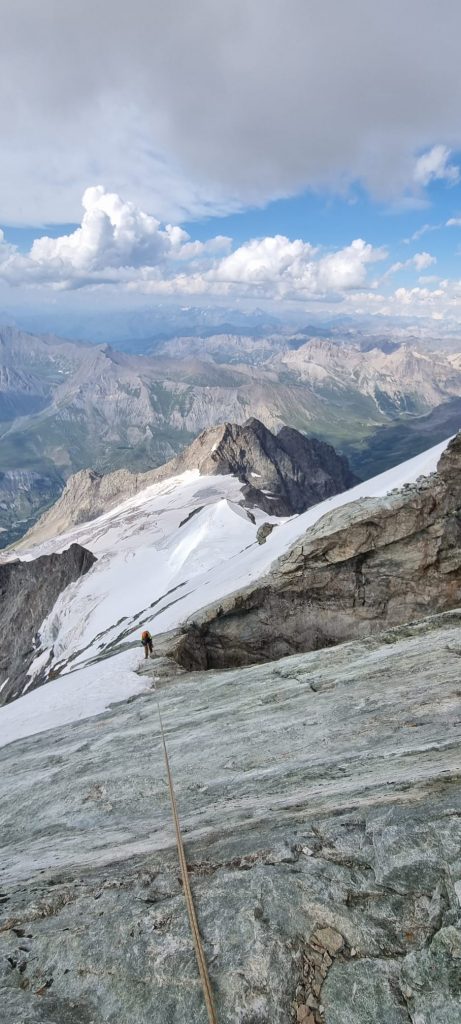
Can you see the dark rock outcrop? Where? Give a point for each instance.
(264, 532)
(282, 474)
(369, 565)
(28, 591)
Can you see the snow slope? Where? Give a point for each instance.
(162, 555)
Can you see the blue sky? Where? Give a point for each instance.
(332, 221)
(328, 221)
(233, 154)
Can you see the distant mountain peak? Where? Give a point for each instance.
(65, 405)
(281, 474)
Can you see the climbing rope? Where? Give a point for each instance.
(199, 953)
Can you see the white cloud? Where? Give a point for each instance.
(414, 296)
(420, 261)
(113, 233)
(454, 222)
(197, 108)
(423, 260)
(275, 267)
(442, 302)
(435, 166)
(119, 244)
(347, 268)
(265, 260)
(125, 251)
(114, 240)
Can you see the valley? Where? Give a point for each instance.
(67, 406)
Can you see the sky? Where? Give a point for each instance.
(294, 153)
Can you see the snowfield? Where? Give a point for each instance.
(162, 555)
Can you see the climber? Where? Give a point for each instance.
(146, 641)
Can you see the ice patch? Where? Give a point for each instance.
(71, 698)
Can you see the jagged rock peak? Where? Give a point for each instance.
(282, 474)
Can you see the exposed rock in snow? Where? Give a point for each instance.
(264, 532)
(28, 592)
(320, 803)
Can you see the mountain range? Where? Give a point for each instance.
(279, 476)
(306, 668)
(223, 543)
(65, 406)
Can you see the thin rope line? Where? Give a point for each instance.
(199, 953)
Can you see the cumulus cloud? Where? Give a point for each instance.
(418, 295)
(205, 107)
(120, 247)
(422, 260)
(347, 268)
(114, 240)
(274, 268)
(454, 222)
(113, 233)
(117, 243)
(441, 302)
(435, 166)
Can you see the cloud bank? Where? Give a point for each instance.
(120, 247)
(207, 107)
(118, 244)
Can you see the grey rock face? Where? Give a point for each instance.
(321, 810)
(282, 475)
(28, 591)
(264, 532)
(373, 563)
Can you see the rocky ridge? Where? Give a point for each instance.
(368, 565)
(28, 592)
(320, 804)
(282, 474)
